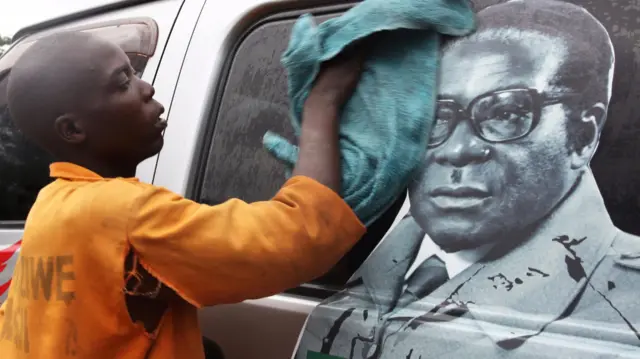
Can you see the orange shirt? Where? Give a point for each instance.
(66, 298)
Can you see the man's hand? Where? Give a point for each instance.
(336, 81)
(319, 156)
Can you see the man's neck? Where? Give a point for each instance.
(105, 169)
(471, 255)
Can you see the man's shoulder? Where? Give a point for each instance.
(122, 194)
(626, 242)
(108, 198)
(617, 281)
(620, 268)
(626, 253)
(116, 190)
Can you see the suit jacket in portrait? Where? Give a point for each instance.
(568, 290)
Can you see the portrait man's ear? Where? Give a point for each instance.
(589, 135)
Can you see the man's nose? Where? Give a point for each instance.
(462, 148)
(148, 91)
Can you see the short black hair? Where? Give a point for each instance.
(44, 84)
(590, 55)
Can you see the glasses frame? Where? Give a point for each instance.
(538, 100)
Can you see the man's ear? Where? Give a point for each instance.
(592, 122)
(70, 129)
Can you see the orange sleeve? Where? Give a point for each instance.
(236, 251)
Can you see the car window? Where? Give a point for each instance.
(252, 101)
(25, 167)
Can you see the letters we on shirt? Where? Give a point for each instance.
(36, 278)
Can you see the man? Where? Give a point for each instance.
(508, 250)
(113, 268)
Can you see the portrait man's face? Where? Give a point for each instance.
(498, 160)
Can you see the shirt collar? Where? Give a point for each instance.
(70, 171)
(455, 262)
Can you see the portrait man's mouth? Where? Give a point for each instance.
(459, 197)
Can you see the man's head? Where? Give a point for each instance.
(76, 95)
(522, 102)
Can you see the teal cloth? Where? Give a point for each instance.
(385, 126)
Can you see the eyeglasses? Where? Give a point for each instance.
(498, 116)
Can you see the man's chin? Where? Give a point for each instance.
(155, 147)
(453, 241)
(452, 245)
(150, 150)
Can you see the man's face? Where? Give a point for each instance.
(121, 119)
(472, 191)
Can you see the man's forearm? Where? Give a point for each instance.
(235, 251)
(319, 156)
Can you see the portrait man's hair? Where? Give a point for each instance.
(586, 53)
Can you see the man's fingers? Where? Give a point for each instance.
(280, 148)
(357, 51)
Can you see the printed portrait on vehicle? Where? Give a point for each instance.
(505, 247)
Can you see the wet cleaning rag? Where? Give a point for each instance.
(385, 126)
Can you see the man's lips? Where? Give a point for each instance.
(161, 123)
(460, 191)
(459, 197)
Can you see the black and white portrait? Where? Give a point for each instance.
(504, 247)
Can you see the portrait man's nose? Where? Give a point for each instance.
(461, 149)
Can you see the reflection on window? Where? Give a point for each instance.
(24, 168)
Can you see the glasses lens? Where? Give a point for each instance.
(446, 112)
(504, 115)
